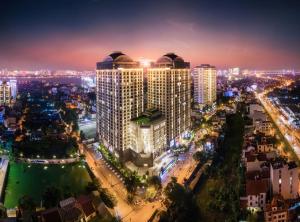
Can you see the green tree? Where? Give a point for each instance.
(181, 204)
(132, 182)
(174, 191)
(108, 199)
(93, 186)
(155, 181)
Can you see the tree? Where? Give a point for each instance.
(174, 191)
(155, 181)
(93, 186)
(82, 135)
(200, 156)
(182, 206)
(27, 208)
(132, 182)
(2, 211)
(51, 196)
(26, 203)
(108, 199)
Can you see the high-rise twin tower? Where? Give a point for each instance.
(125, 126)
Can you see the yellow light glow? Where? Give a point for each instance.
(145, 62)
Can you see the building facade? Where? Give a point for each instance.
(284, 179)
(119, 88)
(277, 210)
(256, 191)
(265, 144)
(148, 137)
(264, 127)
(8, 91)
(169, 85)
(205, 85)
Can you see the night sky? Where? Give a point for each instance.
(65, 34)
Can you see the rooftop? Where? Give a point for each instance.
(252, 157)
(117, 60)
(171, 60)
(277, 204)
(86, 205)
(148, 117)
(254, 175)
(142, 120)
(280, 163)
(255, 187)
(51, 215)
(206, 66)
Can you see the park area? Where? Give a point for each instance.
(218, 194)
(24, 179)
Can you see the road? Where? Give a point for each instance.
(290, 134)
(129, 213)
(183, 168)
(109, 180)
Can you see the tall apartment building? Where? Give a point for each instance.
(205, 85)
(13, 88)
(284, 179)
(169, 87)
(8, 91)
(119, 99)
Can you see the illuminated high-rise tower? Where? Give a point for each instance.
(8, 91)
(168, 82)
(13, 87)
(119, 99)
(205, 85)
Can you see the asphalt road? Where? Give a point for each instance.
(109, 180)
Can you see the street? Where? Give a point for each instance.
(290, 135)
(109, 180)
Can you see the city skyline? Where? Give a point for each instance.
(75, 34)
(149, 111)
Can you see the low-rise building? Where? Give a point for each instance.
(50, 215)
(254, 161)
(10, 122)
(87, 207)
(264, 127)
(70, 210)
(256, 192)
(259, 116)
(265, 144)
(277, 210)
(284, 178)
(255, 107)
